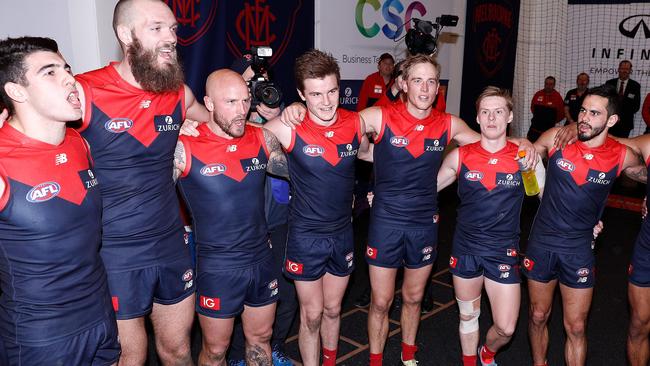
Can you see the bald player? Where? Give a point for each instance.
(132, 113)
(221, 174)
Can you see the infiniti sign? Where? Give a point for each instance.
(629, 27)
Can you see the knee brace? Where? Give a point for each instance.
(471, 315)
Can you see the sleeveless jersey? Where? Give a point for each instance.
(132, 135)
(321, 167)
(52, 280)
(642, 244)
(223, 186)
(578, 181)
(407, 156)
(491, 193)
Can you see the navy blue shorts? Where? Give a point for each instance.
(308, 258)
(133, 292)
(97, 346)
(639, 271)
(502, 269)
(394, 248)
(576, 270)
(223, 293)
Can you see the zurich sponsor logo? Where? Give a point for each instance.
(213, 169)
(399, 141)
(118, 125)
(565, 165)
(474, 175)
(313, 150)
(43, 192)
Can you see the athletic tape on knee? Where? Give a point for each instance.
(467, 310)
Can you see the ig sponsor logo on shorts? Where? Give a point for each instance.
(371, 252)
(505, 270)
(293, 267)
(529, 264)
(211, 303)
(453, 262)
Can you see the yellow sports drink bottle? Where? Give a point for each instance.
(528, 176)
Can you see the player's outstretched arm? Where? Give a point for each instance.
(277, 164)
(461, 133)
(448, 170)
(366, 149)
(193, 109)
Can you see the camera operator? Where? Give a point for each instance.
(277, 199)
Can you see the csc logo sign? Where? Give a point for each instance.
(391, 11)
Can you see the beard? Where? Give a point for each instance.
(149, 74)
(228, 126)
(583, 136)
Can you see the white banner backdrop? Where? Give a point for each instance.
(564, 38)
(357, 32)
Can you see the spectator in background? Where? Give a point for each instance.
(629, 96)
(547, 107)
(574, 97)
(376, 83)
(645, 112)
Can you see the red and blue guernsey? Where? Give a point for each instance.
(52, 280)
(132, 134)
(639, 269)
(321, 167)
(578, 181)
(491, 194)
(223, 186)
(407, 156)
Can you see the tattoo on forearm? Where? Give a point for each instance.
(179, 160)
(638, 173)
(255, 356)
(277, 164)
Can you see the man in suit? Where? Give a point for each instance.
(629, 94)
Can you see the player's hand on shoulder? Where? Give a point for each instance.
(565, 135)
(190, 128)
(293, 114)
(4, 116)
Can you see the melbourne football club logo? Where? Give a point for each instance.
(494, 25)
(194, 17)
(43, 192)
(262, 23)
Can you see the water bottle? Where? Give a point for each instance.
(528, 176)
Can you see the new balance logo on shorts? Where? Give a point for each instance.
(293, 267)
(212, 303)
(453, 261)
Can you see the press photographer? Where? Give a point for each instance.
(266, 96)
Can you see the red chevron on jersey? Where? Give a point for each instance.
(52, 174)
(489, 169)
(332, 143)
(143, 115)
(234, 158)
(580, 160)
(413, 134)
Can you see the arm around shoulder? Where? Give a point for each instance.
(449, 169)
(193, 109)
(461, 133)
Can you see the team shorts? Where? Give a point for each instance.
(222, 293)
(639, 270)
(97, 346)
(308, 258)
(575, 270)
(394, 248)
(134, 291)
(501, 269)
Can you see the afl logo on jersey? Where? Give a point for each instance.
(565, 165)
(118, 125)
(313, 150)
(399, 141)
(213, 169)
(43, 192)
(474, 175)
